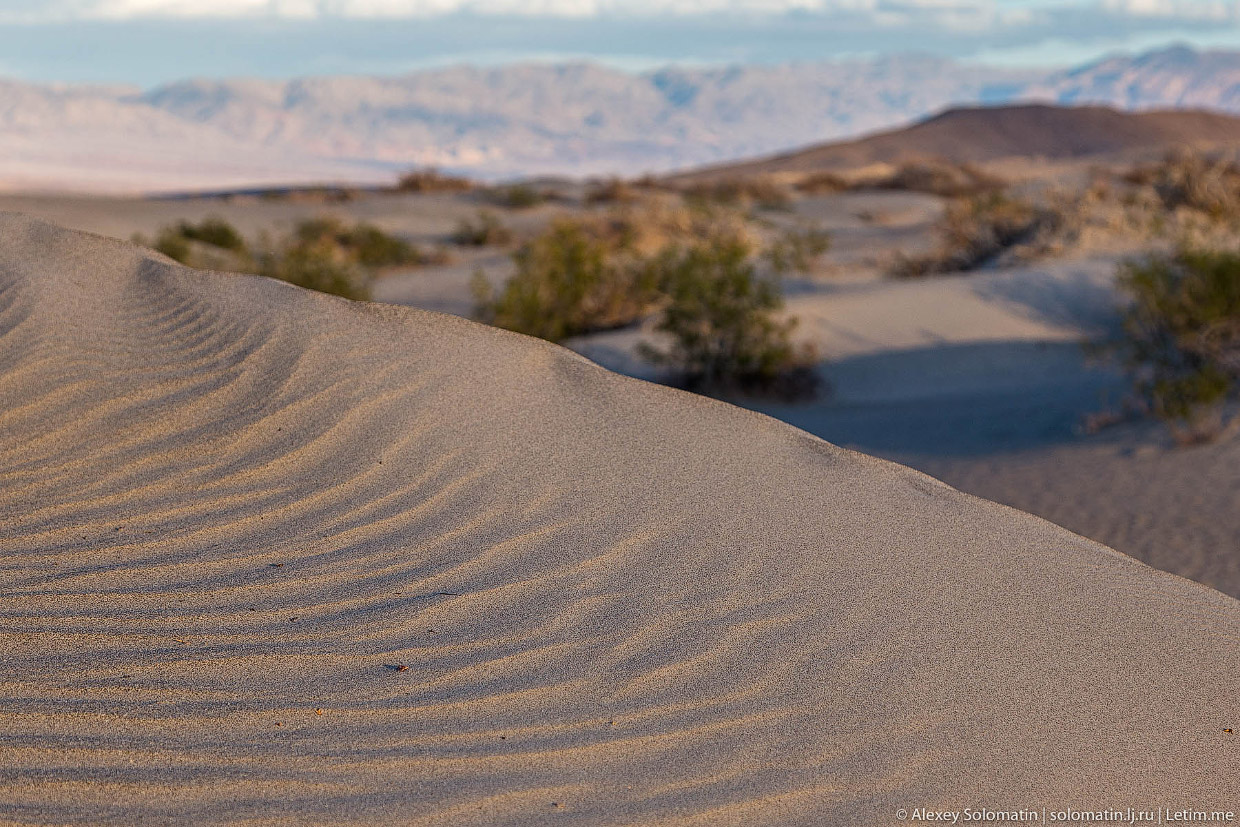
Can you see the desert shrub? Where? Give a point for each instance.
(648, 226)
(975, 231)
(171, 243)
(214, 231)
(941, 178)
(484, 230)
(794, 251)
(365, 243)
(1193, 181)
(431, 181)
(1182, 336)
(323, 254)
(319, 228)
(307, 195)
(611, 191)
(518, 196)
(820, 183)
(375, 248)
(723, 321)
(740, 191)
(184, 242)
(569, 281)
(316, 264)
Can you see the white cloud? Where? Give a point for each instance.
(1182, 9)
(136, 9)
(124, 9)
(975, 16)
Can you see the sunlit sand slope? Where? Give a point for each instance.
(273, 557)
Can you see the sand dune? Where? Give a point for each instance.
(273, 557)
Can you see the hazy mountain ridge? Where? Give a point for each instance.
(576, 118)
(1178, 77)
(533, 118)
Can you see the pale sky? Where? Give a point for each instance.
(147, 42)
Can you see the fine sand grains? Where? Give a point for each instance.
(272, 557)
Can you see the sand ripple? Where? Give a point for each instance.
(272, 557)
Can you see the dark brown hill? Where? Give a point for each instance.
(980, 134)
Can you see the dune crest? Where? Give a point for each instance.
(270, 556)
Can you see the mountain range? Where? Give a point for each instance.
(573, 119)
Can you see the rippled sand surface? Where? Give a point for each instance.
(271, 557)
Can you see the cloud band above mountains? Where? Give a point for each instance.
(148, 42)
(962, 13)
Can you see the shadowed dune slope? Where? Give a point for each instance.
(230, 508)
(991, 133)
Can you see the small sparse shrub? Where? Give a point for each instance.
(175, 246)
(323, 254)
(316, 265)
(975, 231)
(722, 317)
(432, 181)
(1182, 336)
(821, 183)
(214, 231)
(943, 178)
(375, 248)
(319, 228)
(484, 230)
(569, 281)
(795, 251)
(518, 196)
(741, 192)
(309, 195)
(365, 243)
(611, 191)
(1189, 180)
(212, 244)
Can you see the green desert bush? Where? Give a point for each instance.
(484, 230)
(171, 243)
(1182, 336)
(975, 231)
(214, 231)
(316, 264)
(375, 248)
(724, 323)
(569, 281)
(697, 270)
(795, 250)
(184, 242)
(365, 243)
(324, 254)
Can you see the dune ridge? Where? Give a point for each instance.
(270, 556)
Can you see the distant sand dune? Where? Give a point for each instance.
(232, 510)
